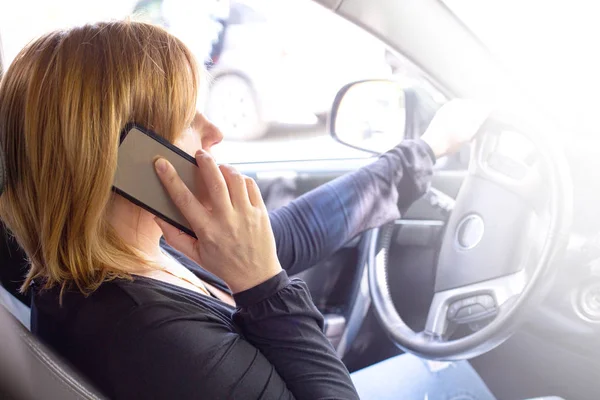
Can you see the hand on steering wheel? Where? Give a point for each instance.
(510, 221)
(455, 124)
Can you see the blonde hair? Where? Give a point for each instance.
(63, 103)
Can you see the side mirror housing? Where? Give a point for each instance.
(375, 115)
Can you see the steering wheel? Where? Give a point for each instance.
(508, 227)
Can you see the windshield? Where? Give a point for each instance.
(549, 46)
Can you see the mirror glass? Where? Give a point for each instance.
(371, 115)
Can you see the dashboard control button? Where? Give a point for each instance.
(453, 309)
(507, 166)
(469, 301)
(487, 301)
(470, 311)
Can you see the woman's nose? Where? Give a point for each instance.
(212, 136)
(209, 134)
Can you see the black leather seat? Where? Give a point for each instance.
(13, 268)
(28, 370)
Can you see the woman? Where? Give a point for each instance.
(139, 318)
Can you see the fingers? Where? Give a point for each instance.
(183, 198)
(243, 190)
(224, 186)
(254, 193)
(236, 184)
(213, 180)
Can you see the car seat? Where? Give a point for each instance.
(13, 268)
(28, 370)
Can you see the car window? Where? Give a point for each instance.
(274, 66)
(244, 14)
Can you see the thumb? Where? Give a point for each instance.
(177, 239)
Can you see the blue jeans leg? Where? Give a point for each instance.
(407, 377)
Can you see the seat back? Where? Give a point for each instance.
(28, 370)
(13, 268)
(14, 306)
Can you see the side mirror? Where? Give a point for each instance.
(369, 115)
(375, 115)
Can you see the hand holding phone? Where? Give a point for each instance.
(234, 236)
(136, 179)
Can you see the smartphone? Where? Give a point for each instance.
(136, 178)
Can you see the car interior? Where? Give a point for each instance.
(498, 264)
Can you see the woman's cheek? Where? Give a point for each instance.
(190, 141)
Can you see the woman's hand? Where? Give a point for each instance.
(235, 240)
(454, 124)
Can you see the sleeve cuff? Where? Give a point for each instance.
(428, 149)
(262, 291)
(425, 146)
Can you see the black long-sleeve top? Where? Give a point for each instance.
(149, 339)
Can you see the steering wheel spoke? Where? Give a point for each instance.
(471, 303)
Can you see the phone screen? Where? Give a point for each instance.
(136, 178)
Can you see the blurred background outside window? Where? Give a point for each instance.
(274, 66)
